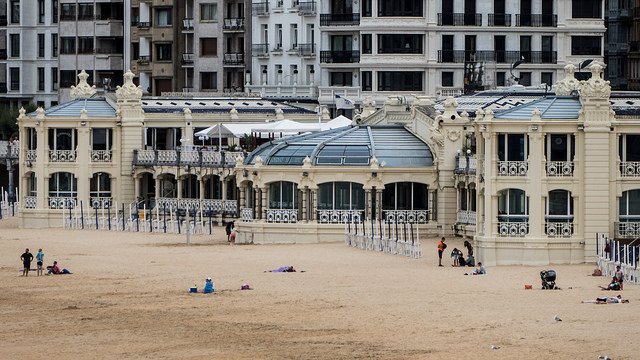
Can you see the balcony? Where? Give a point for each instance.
(406, 216)
(466, 217)
(339, 19)
(513, 225)
(101, 156)
(340, 57)
(187, 24)
(144, 59)
(208, 206)
(627, 230)
(536, 20)
(559, 168)
(560, 229)
(100, 202)
(233, 24)
(306, 50)
(284, 91)
(260, 50)
(466, 164)
(233, 59)
(144, 24)
(30, 202)
(499, 19)
(62, 202)
(506, 57)
(188, 58)
(459, 19)
(62, 155)
(339, 216)
(282, 215)
(512, 168)
(307, 8)
(630, 168)
(200, 157)
(260, 8)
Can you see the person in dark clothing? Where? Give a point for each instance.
(228, 229)
(26, 258)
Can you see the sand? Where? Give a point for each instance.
(128, 299)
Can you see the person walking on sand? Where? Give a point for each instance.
(441, 247)
(26, 262)
(40, 261)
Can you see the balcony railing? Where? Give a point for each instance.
(512, 168)
(348, 56)
(203, 158)
(260, 49)
(559, 168)
(101, 202)
(537, 20)
(407, 216)
(30, 202)
(630, 168)
(513, 228)
(282, 215)
(558, 229)
(32, 155)
(233, 24)
(339, 216)
(62, 155)
(499, 56)
(144, 59)
(187, 24)
(208, 206)
(260, 8)
(233, 59)
(188, 58)
(339, 19)
(100, 155)
(144, 24)
(627, 230)
(306, 49)
(62, 202)
(466, 164)
(459, 19)
(307, 8)
(466, 217)
(499, 19)
(246, 214)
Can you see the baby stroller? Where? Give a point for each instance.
(548, 279)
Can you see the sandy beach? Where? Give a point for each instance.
(128, 298)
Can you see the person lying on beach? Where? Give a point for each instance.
(607, 300)
(55, 270)
(284, 269)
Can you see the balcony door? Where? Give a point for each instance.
(512, 147)
(499, 48)
(547, 12)
(560, 147)
(470, 12)
(525, 12)
(447, 12)
(341, 6)
(341, 43)
(547, 49)
(447, 48)
(525, 48)
(470, 47)
(499, 9)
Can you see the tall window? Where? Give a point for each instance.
(15, 11)
(100, 187)
(41, 45)
(54, 11)
(559, 206)
(209, 12)
(68, 45)
(283, 195)
(62, 139)
(63, 184)
(163, 52)
(367, 80)
(367, 45)
(405, 196)
(40, 79)
(54, 45)
(85, 45)
(15, 45)
(341, 196)
(163, 17)
(629, 148)
(512, 147)
(209, 80)
(559, 147)
(447, 78)
(400, 44)
(85, 11)
(68, 12)
(591, 9)
(208, 46)
(40, 11)
(14, 77)
(400, 80)
(405, 8)
(630, 206)
(513, 206)
(586, 45)
(54, 79)
(100, 139)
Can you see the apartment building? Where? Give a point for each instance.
(28, 52)
(633, 58)
(618, 21)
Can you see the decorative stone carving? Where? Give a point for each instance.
(374, 163)
(596, 87)
(39, 113)
(453, 135)
(83, 90)
(325, 113)
(569, 84)
(84, 114)
(258, 162)
(479, 114)
(128, 90)
(23, 112)
(306, 163)
(233, 113)
(536, 115)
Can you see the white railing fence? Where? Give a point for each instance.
(618, 254)
(8, 209)
(391, 238)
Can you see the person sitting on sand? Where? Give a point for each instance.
(614, 285)
(480, 270)
(618, 276)
(55, 269)
(208, 286)
(607, 300)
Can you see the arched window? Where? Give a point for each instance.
(190, 187)
(559, 206)
(63, 190)
(405, 196)
(341, 196)
(100, 190)
(283, 195)
(513, 206)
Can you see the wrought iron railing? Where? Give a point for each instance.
(559, 168)
(459, 19)
(466, 217)
(407, 216)
(339, 216)
(627, 229)
(306, 49)
(60, 202)
(187, 24)
(499, 19)
(282, 215)
(499, 56)
(260, 8)
(630, 168)
(260, 49)
(512, 168)
(346, 56)
(233, 59)
(32, 155)
(558, 229)
(101, 155)
(513, 229)
(30, 202)
(101, 202)
(233, 24)
(307, 7)
(246, 214)
(537, 20)
(339, 19)
(62, 155)
(466, 164)
(188, 58)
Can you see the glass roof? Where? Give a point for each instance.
(392, 145)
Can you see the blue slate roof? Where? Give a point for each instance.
(97, 107)
(552, 107)
(392, 145)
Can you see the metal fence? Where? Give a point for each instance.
(391, 238)
(611, 253)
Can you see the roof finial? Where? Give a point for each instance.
(83, 90)
(128, 90)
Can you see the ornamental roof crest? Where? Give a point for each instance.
(83, 90)
(596, 87)
(128, 90)
(569, 84)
